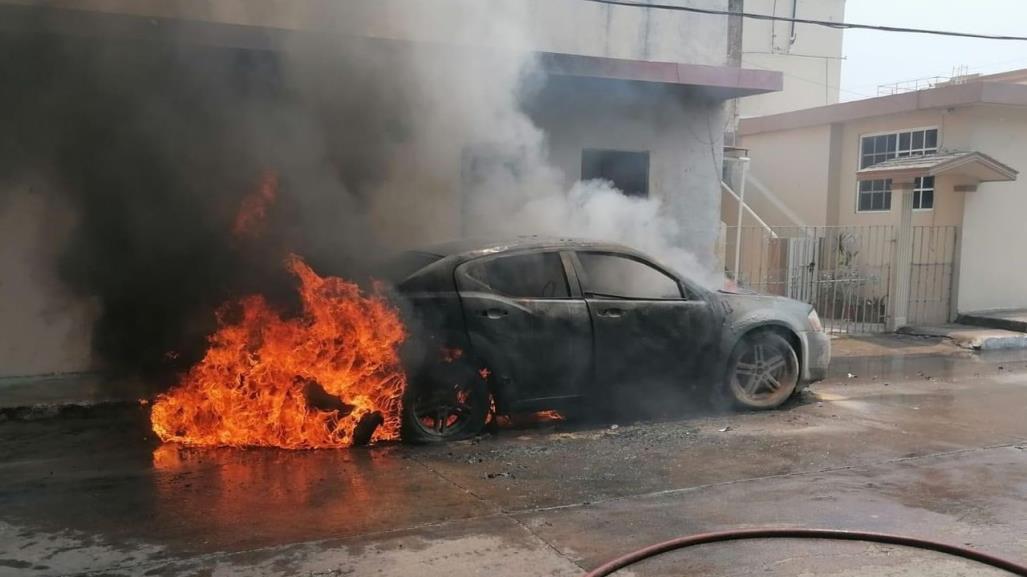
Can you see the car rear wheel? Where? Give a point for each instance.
(441, 411)
(763, 371)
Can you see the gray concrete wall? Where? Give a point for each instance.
(680, 130)
(43, 328)
(569, 26)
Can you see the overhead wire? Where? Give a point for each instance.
(825, 23)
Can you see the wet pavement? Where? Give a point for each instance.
(926, 445)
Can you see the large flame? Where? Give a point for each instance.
(317, 380)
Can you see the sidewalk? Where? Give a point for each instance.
(972, 337)
(891, 345)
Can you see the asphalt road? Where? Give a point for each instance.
(930, 447)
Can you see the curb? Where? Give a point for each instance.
(60, 410)
(971, 338)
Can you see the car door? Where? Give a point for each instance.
(526, 325)
(649, 330)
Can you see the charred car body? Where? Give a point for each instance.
(535, 324)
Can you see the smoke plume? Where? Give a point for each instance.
(155, 144)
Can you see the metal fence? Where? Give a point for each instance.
(932, 273)
(846, 271)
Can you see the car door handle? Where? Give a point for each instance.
(611, 313)
(494, 313)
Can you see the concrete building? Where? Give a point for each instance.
(809, 57)
(953, 151)
(637, 89)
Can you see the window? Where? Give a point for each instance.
(923, 193)
(613, 276)
(878, 148)
(875, 195)
(628, 171)
(535, 275)
(400, 267)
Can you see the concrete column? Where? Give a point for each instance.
(902, 192)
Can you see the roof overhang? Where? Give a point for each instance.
(978, 92)
(972, 167)
(719, 81)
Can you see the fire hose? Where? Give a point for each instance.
(830, 534)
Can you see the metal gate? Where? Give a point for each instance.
(931, 274)
(846, 271)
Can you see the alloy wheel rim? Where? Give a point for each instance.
(443, 413)
(763, 373)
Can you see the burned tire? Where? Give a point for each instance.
(448, 406)
(763, 371)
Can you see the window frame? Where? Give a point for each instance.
(898, 137)
(921, 189)
(887, 191)
(460, 271)
(686, 292)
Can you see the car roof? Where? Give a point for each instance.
(470, 247)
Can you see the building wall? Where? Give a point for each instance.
(797, 166)
(810, 61)
(947, 203)
(568, 26)
(793, 165)
(993, 268)
(678, 129)
(44, 329)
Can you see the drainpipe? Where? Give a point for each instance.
(791, 34)
(744, 162)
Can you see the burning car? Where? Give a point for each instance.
(535, 324)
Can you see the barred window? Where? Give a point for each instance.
(875, 195)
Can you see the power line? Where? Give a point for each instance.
(809, 80)
(825, 23)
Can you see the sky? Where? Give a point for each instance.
(874, 58)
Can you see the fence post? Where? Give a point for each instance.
(743, 164)
(903, 256)
(954, 277)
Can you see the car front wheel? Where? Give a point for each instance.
(447, 409)
(763, 371)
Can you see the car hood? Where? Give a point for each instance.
(740, 301)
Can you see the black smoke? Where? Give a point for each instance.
(154, 144)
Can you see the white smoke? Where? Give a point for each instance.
(475, 163)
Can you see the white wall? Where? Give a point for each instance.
(811, 64)
(994, 269)
(793, 165)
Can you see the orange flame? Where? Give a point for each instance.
(304, 382)
(253, 209)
